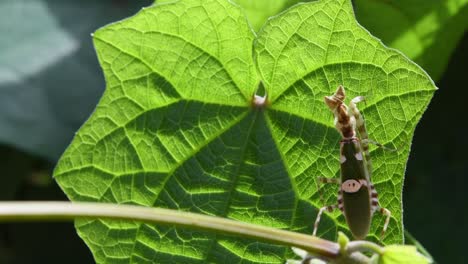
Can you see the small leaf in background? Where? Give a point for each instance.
(176, 127)
(398, 254)
(427, 31)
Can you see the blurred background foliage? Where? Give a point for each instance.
(50, 82)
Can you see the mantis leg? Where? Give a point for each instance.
(329, 208)
(376, 207)
(388, 214)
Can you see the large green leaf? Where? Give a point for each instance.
(425, 30)
(176, 127)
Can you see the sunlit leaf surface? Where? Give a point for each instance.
(176, 127)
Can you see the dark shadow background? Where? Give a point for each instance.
(435, 196)
(435, 202)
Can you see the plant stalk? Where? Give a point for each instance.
(67, 211)
(363, 246)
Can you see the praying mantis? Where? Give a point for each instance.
(357, 197)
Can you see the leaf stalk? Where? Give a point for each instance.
(68, 211)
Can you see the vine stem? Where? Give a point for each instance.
(360, 246)
(67, 211)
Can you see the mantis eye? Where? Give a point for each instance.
(351, 186)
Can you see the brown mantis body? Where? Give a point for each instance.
(357, 197)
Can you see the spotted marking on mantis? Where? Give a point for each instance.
(350, 186)
(342, 159)
(358, 155)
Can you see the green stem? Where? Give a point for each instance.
(362, 246)
(66, 211)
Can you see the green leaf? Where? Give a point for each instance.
(176, 127)
(397, 254)
(426, 31)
